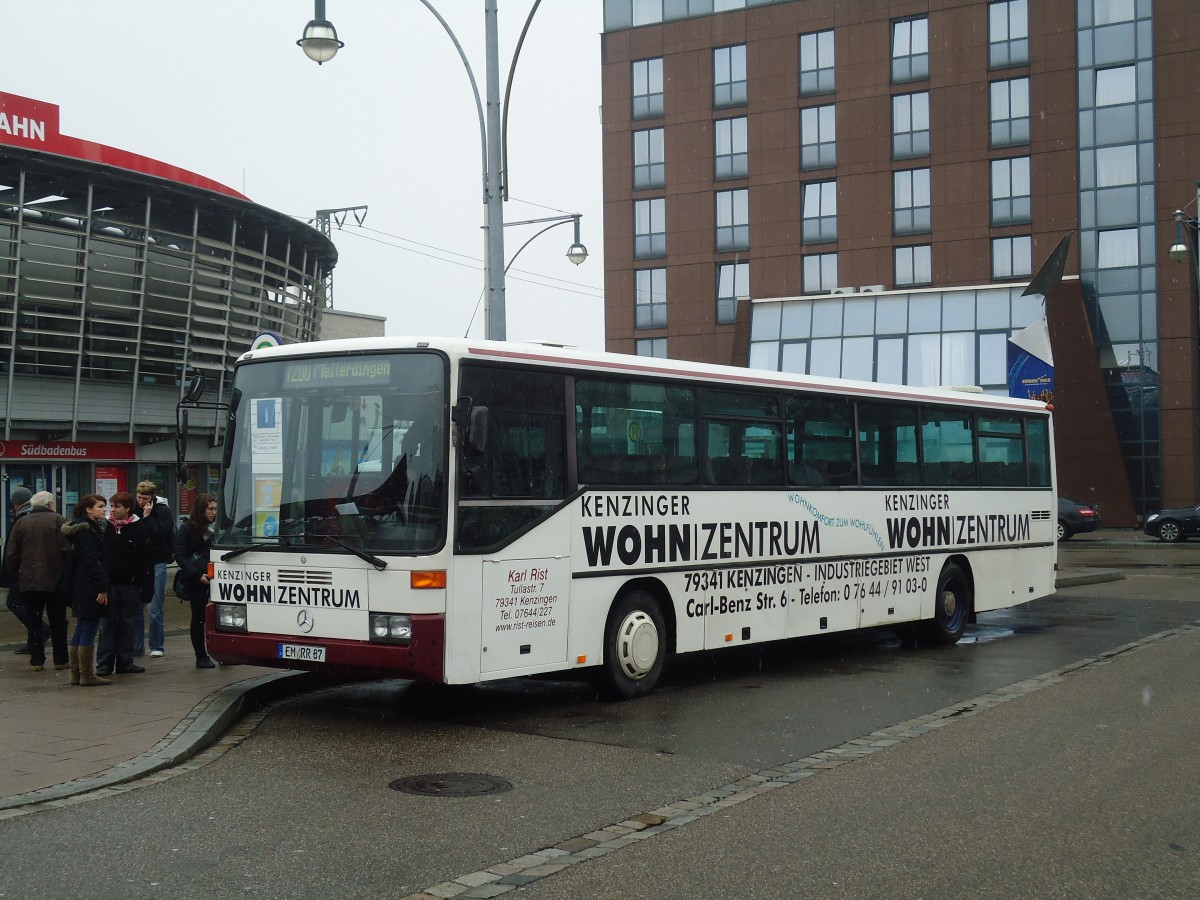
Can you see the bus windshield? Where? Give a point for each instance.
(340, 452)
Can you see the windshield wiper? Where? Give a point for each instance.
(257, 546)
(378, 563)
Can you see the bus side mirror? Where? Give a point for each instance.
(474, 442)
(195, 388)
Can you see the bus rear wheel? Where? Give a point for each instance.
(951, 606)
(635, 646)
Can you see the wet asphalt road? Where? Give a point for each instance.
(302, 808)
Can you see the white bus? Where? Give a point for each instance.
(459, 511)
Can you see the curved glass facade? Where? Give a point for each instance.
(115, 287)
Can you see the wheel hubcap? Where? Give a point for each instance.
(637, 645)
(949, 604)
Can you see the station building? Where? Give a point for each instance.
(866, 189)
(120, 278)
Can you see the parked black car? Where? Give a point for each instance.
(1076, 518)
(1173, 525)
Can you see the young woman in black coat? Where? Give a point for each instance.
(88, 586)
(192, 543)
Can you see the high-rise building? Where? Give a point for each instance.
(865, 189)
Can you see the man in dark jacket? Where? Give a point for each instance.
(19, 498)
(34, 556)
(159, 525)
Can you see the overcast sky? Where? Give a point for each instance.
(219, 87)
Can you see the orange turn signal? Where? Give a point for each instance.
(433, 578)
(728, 638)
(580, 660)
(212, 570)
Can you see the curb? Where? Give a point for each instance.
(1091, 576)
(202, 727)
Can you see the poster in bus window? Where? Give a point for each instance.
(266, 430)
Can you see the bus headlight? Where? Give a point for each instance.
(231, 617)
(389, 628)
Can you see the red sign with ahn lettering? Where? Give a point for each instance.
(66, 451)
(33, 124)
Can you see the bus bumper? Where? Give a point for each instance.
(422, 659)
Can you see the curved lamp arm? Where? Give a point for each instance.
(512, 69)
(576, 254)
(474, 88)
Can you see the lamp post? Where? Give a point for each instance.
(320, 43)
(1187, 248)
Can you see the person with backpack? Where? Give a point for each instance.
(160, 546)
(87, 586)
(192, 543)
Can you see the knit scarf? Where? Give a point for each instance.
(121, 523)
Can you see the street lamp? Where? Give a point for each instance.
(320, 41)
(576, 253)
(492, 127)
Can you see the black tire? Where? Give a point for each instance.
(1170, 532)
(1064, 533)
(951, 606)
(635, 647)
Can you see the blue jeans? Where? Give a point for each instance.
(85, 632)
(157, 629)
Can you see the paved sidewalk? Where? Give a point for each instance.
(57, 740)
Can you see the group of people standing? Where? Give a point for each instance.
(105, 564)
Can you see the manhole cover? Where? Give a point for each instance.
(451, 784)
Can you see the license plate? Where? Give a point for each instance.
(302, 652)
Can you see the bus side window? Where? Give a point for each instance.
(820, 441)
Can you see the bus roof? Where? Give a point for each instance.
(517, 353)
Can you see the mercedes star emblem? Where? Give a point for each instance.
(305, 620)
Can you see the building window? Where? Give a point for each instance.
(733, 220)
(649, 167)
(649, 228)
(910, 50)
(910, 192)
(816, 63)
(733, 281)
(818, 137)
(1010, 112)
(1010, 191)
(1117, 249)
(650, 298)
(729, 76)
(1116, 166)
(910, 125)
(656, 347)
(820, 212)
(1008, 33)
(731, 160)
(1012, 257)
(820, 273)
(1110, 12)
(648, 88)
(914, 265)
(1116, 87)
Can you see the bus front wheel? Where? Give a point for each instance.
(951, 606)
(635, 646)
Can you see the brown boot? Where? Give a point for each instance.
(87, 667)
(73, 662)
